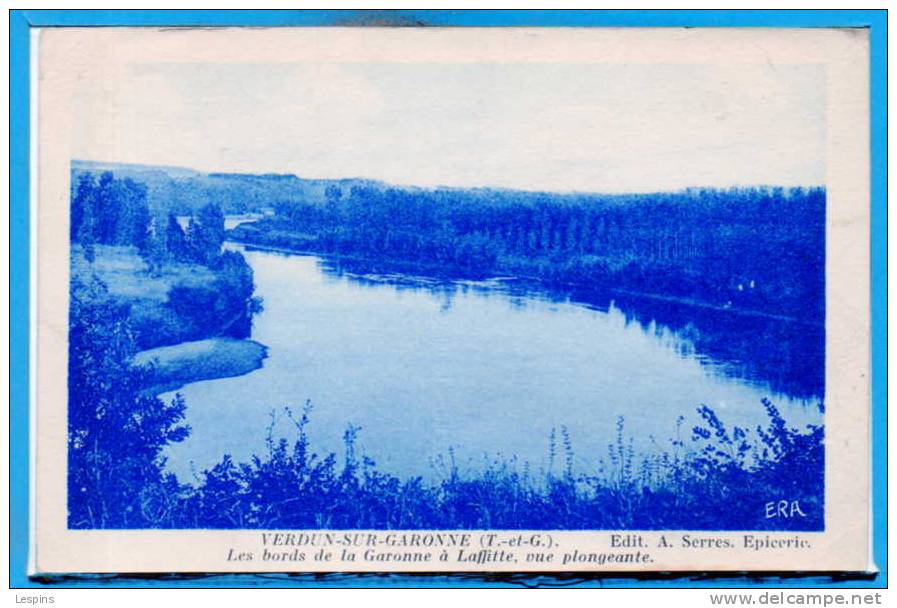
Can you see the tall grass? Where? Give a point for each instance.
(713, 478)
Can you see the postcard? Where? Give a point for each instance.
(335, 299)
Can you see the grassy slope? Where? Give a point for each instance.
(175, 366)
(126, 275)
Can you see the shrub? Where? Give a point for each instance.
(720, 479)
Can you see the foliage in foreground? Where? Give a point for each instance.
(719, 478)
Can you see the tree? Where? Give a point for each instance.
(176, 240)
(109, 211)
(205, 234)
(115, 431)
(332, 193)
(133, 222)
(82, 209)
(211, 218)
(222, 308)
(106, 207)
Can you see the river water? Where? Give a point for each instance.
(478, 372)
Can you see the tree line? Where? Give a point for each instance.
(110, 211)
(753, 248)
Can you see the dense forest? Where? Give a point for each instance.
(758, 249)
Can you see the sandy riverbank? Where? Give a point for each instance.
(180, 364)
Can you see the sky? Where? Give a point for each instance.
(556, 127)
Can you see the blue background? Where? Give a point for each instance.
(22, 20)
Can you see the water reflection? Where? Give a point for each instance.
(780, 355)
(486, 369)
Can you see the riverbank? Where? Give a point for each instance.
(365, 265)
(171, 367)
(174, 301)
(180, 313)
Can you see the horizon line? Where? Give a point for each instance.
(753, 186)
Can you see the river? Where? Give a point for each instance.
(481, 372)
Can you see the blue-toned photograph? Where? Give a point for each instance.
(444, 296)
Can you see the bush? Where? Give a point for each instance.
(720, 479)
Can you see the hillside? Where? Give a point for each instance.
(184, 191)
